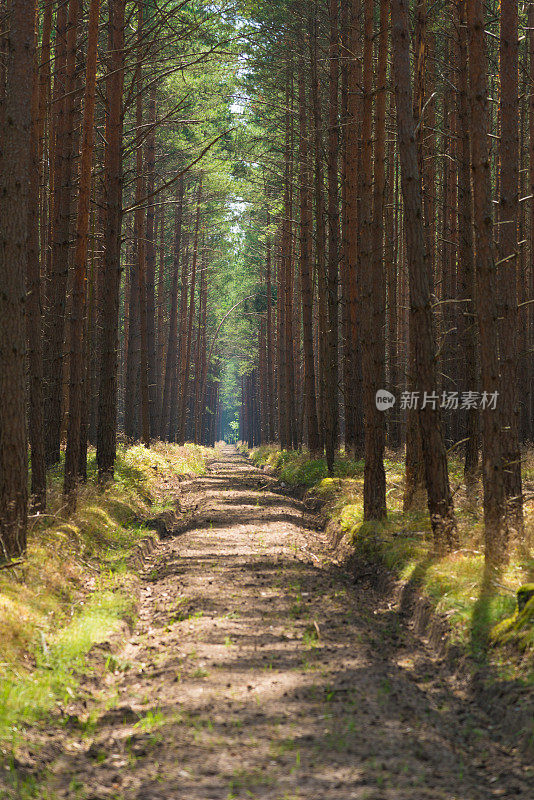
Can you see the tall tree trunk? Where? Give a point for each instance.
(187, 360)
(111, 265)
(145, 401)
(377, 496)
(306, 223)
(298, 432)
(507, 266)
(391, 271)
(132, 341)
(77, 320)
(88, 404)
(347, 361)
(487, 314)
(170, 361)
(283, 418)
(33, 311)
(140, 237)
(287, 377)
(320, 231)
(55, 283)
(435, 456)
(198, 353)
(67, 29)
(414, 481)
(160, 352)
(93, 306)
(449, 345)
(466, 256)
(263, 381)
(14, 185)
(178, 398)
(44, 143)
(425, 121)
(201, 363)
(332, 410)
(523, 263)
(243, 413)
(151, 232)
(371, 266)
(352, 193)
(270, 355)
(531, 193)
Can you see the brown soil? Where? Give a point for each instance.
(262, 668)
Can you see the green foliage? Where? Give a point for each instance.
(297, 469)
(24, 696)
(518, 629)
(478, 606)
(233, 434)
(75, 585)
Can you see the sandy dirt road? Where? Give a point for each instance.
(259, 668)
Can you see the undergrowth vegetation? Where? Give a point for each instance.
(473, 598)
(74, 587)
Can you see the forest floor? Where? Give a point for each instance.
(261, 667)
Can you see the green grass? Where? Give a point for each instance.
(75, 584)
(473, 599)
(26, 695)
(518, 628)
(297, 469)
(151, 721)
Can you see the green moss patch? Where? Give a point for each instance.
(518, 629)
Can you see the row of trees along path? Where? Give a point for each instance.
(353, 181)
(402, 250)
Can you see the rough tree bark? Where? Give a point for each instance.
(507, 264)
(530, 317)
(332, 400)
(178, 378)
(56, 286)
(14, 186)
(172, 349)
(111, 265)
(352, 178)
(160, 351)
(371, 268)
(151, 232)
(487, 314)
(440, 503)
(270, 356)
(320, 229)
(34, 312)
(466, 255)
(140, 239)
(80, 263)
(184, 388)
(306, 225)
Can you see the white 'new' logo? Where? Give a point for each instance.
(384, 400)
